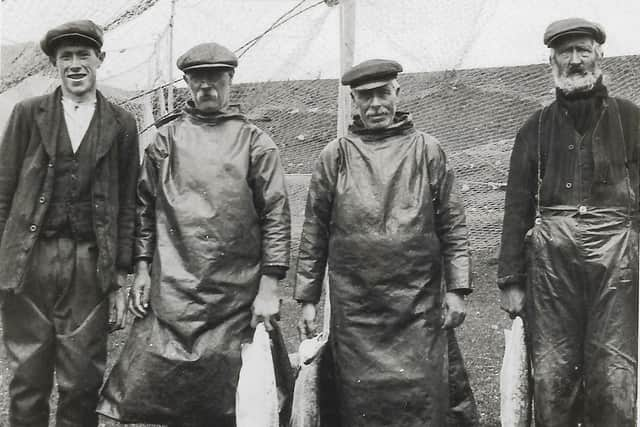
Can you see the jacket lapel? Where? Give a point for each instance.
(107, 127)
(47, 119)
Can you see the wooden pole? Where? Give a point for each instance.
(170, 102)
(347, 45)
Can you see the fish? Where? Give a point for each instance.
(515, 379)
(257, 394)
(305, 410)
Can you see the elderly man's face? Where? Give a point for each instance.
(377, 106)
(210, 88)
(77, 64)
(576, 63)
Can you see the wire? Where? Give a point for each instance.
(283, 19)
(277, 21)
(255, 40)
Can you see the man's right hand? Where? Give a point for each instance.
(307, 327)
(512, 299)
(139, 293)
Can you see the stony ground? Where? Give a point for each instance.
(481, 340)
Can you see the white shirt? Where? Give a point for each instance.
(77, 117)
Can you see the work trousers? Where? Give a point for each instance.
(581, 312)
(56, 323)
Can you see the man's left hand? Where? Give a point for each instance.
(118, 304)
(266, 305)
(454, 310)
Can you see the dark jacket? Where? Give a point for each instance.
(27, 160)
(576, 169)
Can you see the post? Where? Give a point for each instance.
(347, 46)
(170, 105)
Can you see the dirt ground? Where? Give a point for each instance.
(481, 340)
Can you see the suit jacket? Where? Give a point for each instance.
(27, 167)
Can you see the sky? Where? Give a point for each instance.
(423, 35)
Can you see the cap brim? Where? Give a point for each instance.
(371, 85)
(75, 36)
(576, 32)
(201, 66)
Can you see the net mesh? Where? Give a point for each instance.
(474, 112)
(287, 78)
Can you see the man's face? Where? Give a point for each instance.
(377, 106)
(210, 88)
(576, 63)
(77, 64)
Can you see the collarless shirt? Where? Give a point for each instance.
(77, 117)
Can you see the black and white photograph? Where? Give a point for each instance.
(319, 213)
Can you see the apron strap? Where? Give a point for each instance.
(539, 166)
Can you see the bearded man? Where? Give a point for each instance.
(569, 257)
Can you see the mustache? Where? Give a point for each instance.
(208, 95)
(576, 69)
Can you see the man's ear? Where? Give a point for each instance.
(52, 59)
(185, 78)
(353, 97)
(101, 56)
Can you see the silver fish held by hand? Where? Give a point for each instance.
(306, 397)
(515, 385)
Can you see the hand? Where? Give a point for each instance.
(266, 305)
(307, 327)
(117, 309)
(454, 310)
(139, 293)
(512, 298)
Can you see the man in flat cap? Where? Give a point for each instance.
(68, 170)
(212, 242)
(383, 212)
(569, 257)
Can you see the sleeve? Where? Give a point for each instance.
(147, 190)
(314, 241)
(519, 213)
(12, 146)
(129, 165)
(271, 202)
(450, 221)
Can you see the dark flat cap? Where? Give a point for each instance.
(371, 73)
(207, 55)
(573, 26)
(83, 29)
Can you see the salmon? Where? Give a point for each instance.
(306, 405)
(515, 386)
(257, 394)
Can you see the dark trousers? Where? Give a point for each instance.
(57, 323)
(582, 308)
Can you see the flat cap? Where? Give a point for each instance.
(83, 29)
(573, 26)
(371, 73)
(207, 55)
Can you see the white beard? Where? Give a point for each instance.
(575, 83)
